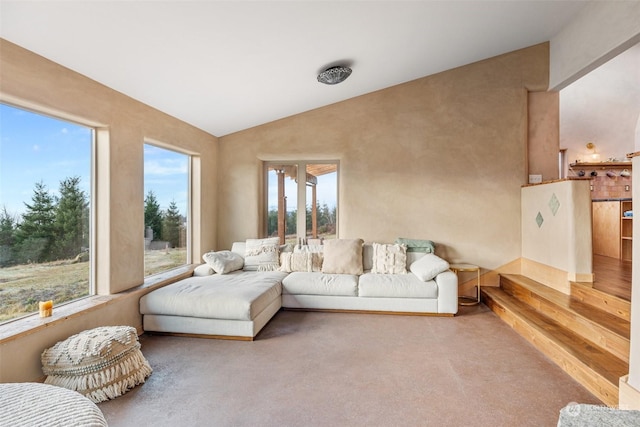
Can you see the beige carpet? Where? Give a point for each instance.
(338, 369)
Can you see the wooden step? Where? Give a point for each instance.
(610, 332)
(596, 369)
(586, 293)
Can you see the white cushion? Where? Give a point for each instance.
(428, 267)
(320, 284)
(262, 254)
(395, 286)
(203, 270)
(223, 262)
(238, 296)
(389, 259)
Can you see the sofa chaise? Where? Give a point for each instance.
(342, 275)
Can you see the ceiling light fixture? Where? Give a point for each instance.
(334, 75)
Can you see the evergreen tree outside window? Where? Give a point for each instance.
(302, 200)
(166, 213)
(45, 211)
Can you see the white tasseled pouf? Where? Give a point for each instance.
(101, 363)
(43, 405)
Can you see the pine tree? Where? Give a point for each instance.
(70, 218)
(153, 215)
(36, 233)
(171, 225)
(8, 225)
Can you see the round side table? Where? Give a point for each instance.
(467, 300)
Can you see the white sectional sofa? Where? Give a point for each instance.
(238, 304)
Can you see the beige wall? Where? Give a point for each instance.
(442, 157)
(31, 81)
(544, 135)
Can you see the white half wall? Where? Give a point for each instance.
(556, 231)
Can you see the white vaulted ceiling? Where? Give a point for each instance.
(226, 66)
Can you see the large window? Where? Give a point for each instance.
(166, 209)
(302, 200)
(45, 205)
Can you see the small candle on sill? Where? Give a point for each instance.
(46, 308)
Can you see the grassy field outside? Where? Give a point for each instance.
(23, 286)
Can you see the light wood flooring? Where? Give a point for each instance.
(612, 276)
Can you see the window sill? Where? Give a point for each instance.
(27, 325)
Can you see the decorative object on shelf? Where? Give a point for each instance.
(593, 173)
(581, 173)
(625, 173)
(611, 174)
(334, 75)
(594, 156)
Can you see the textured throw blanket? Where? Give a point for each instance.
(417, 245)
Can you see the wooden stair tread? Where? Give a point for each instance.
(576, 307)
(598, 360)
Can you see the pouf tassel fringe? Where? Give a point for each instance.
(99, 386)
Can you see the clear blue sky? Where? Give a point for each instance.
(37, 148)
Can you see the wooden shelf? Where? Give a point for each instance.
(626, 230)
(603, 165)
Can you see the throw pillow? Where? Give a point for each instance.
(307, 248)
(342, 256)
(428, 267)
(203, 270)
(223, 262)
(308, 262)
(262, 254)
(389, 259)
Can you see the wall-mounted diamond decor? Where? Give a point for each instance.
(539, 219)
(554, 204)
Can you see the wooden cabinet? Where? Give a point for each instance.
(626, 230)
(606, 228)
(612, 230)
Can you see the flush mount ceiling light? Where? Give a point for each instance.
(334, 75)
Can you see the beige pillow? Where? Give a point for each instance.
(307, 261)
(342, 256)
(389, 259)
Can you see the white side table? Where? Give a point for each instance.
(467, 300)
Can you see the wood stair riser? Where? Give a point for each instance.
(601, 300)
(595, 383)
(592, 331)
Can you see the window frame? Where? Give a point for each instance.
(94, 129)
(301, 194)
(191, 158)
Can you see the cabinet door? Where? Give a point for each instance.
(606, 229)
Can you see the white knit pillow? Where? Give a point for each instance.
(389, 259)
(303, 261)
(262, 254)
